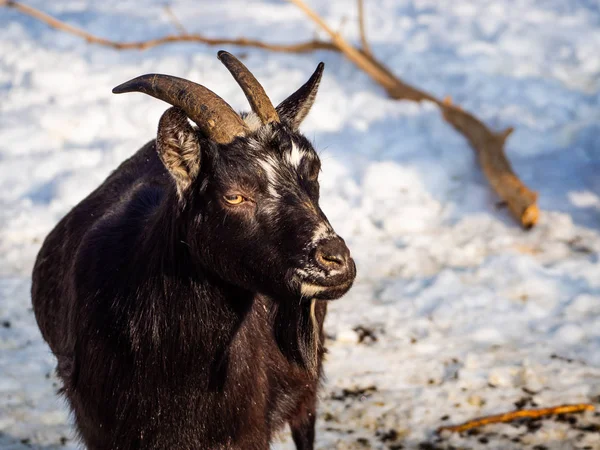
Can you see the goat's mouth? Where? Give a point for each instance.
(323, 292)
(324, 288)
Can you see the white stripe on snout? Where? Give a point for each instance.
(323, 231)
(310, 290)
(295, 156)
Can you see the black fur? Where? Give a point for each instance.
(179, 320)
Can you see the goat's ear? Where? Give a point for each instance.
(295, 108)
(178, 148)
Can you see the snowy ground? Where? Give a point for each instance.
(461, 313)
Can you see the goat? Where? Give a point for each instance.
(184, 298)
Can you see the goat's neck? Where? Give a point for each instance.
(192, 311)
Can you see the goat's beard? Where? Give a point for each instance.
(297, 332)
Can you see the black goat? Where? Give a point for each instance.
(183, 297)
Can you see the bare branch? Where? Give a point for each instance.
(361, 27)
(515, 415)
(302, 47)
(489, 146)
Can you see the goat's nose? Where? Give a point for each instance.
(332, 254)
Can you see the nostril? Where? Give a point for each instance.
(332, 254)
(330, 260)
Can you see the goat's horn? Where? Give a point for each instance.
(211, 113)
(256, 95)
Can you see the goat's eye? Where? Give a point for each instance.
(234, 199)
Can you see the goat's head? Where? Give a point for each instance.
(248, 186)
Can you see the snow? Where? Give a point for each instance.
(466, 313)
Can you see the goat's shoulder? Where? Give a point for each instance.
(142, 169)
(141, 172)
(133, 190)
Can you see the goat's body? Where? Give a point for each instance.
(184, 298)
(155, 352)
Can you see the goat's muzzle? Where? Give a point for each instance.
(331, 271)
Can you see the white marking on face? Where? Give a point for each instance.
(322, 231)
(294, 157)
(269, 165)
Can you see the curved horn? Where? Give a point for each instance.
(256, 95)
(211, 113)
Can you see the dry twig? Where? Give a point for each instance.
(515, 415)
(489, 145)
(175, 20)
(366, 48)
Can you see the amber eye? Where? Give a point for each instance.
(234, 199)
